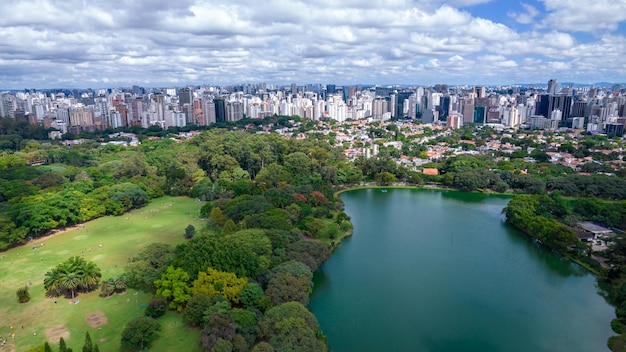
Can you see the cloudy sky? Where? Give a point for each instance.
(89, 43)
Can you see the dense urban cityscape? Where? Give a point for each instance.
(593, 109)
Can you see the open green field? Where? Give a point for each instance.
(108, 242)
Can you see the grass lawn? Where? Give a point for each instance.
(175, 336)
(109, 242)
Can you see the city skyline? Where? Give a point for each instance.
(79, 44)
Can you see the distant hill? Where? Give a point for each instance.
(572, 84)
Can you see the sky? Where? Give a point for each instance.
(158, 43)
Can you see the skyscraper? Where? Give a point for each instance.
(479, 114)
(444, 106)
(185, 96)
(379, 107)
(553, 86)
(427, 107)
(467, 108)
(560, 102)
(399, 104)
(543, 105)
(220, 109)
(578, 109)
(137, 108)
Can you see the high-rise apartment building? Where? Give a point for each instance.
(234, 111)
(137, 108)
(208, 110)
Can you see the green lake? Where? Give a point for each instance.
(438, 271)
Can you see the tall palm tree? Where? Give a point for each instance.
(120, 283)
(107, 288)
(69, 279)
(90, 275)
(52, 282)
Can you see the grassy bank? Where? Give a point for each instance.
(108, 242)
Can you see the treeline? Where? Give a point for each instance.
(89, 180)
(99, 181)
(157, 131)
(545, 216)
(15, 133)
(470, 173)
(614, 279)
(537, 216)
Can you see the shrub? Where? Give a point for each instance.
(139, 332)
(156, 307)
(617, 326)
(190, 232)
(23, 295)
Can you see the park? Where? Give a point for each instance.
(108, 242)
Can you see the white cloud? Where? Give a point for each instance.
(595, 16)
(526, 17)
(464, 3)
(45, 42)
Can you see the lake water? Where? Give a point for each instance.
(441, 271)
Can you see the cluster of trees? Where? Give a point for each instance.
(571, 211)
(601, 186)
(37, 199)
(71, 276)
(615, 280)
(535, 215)
(610, 213)
(472, 172)
(244, 289)
(16, 133)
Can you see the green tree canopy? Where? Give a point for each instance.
(149, 264)
(175, 286)
(214, 282)
(140, 332)
(75, 274)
